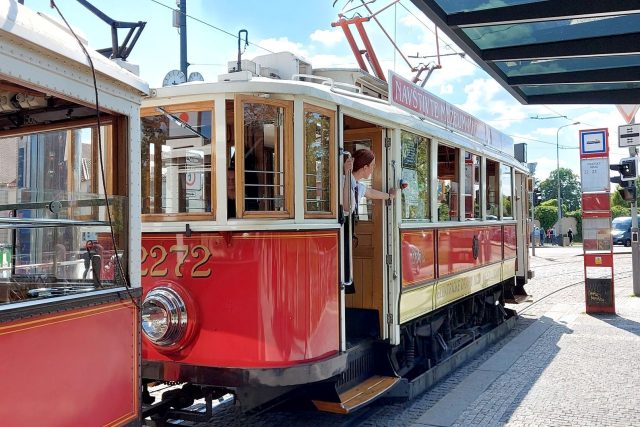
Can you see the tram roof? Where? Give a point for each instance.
(18, 24)
(549, 51)
(363, 107)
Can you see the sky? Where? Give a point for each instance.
(303, 27)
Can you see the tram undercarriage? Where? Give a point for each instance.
(369, 362)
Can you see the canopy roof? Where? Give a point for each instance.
(551, 51)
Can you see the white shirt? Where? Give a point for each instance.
(361, 191)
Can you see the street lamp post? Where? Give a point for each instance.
(558, 177)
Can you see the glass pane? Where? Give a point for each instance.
(562, 65)
(264, 178)
(471, 186)
(415, 172)
(493, 36)
(453, 6)
(447, 183)
(507, 192)
(55, 237)
(493, 202)
(317, 137)
(572, 88)
(176, 162)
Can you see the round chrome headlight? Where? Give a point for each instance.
(164, 316)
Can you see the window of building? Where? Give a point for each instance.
(319, 129)
(448, 186)
(415, 172)
(493, 200)
(471, 186)
(176, 161)
(263, 157)
(507, 191)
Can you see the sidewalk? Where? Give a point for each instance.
(566, 368)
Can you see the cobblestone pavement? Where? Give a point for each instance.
(557, 367)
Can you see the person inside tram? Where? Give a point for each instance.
(250, 203)
(359, 167)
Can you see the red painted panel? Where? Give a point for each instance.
(418, 256)
(510, 241)
(75, 368)
(596, 202)
(455, 248)
(265, 299)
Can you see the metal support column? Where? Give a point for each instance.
(635, 255)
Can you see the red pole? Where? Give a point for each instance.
(344, 24)
(373, 59)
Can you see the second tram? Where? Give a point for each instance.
(69, 254)
(243, 261)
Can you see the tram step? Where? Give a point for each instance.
(517, 299)
(359, 395)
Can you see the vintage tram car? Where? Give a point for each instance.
(69, 277)
(243, 266)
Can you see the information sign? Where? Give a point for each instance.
(629, 135)
(593, 143)
(595, 174)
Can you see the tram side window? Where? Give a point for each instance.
(415, 171)
(263, 157)
(319, 131)
(51, 181)
(507, 192)
(471, 186)
(176, 161)
(448, 183)
(493, 200)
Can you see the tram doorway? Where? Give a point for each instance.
(365, 307)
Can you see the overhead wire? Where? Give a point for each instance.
(201, 21)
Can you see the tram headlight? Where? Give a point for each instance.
(164, 317)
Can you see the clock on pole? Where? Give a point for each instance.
(174, 77)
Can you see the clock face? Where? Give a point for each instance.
(174, 77)
(195, 77)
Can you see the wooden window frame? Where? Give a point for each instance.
(310, 108)
(185, 216)
(430, 177)
(287, 106)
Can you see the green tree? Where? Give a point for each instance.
(569, 188)
(617, 211)
(547, 215)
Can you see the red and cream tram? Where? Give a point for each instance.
(242, 266)
(69, 271)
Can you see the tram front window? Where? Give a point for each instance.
(176, 162)
(55, 237)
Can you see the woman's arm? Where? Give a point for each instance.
(380, 195)
(346, 186)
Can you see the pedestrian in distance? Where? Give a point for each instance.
(542, 234)
(570, 236)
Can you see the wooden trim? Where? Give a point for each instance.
(177, 108)
(170, 217)
(287, 106)
(63, 125)
(332, 164)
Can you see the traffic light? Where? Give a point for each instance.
(537, 197)
(628, 169)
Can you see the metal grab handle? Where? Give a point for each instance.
(349, 282)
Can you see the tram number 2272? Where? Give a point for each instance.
(196, 256)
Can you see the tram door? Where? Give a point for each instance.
(366, 304)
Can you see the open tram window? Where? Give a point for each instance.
(471, 186)
(55, 238)
(506, 187)
(492, 191)
(319, 129)
(263, 156)
(448, 183)
(176, 161)
(415, 171)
